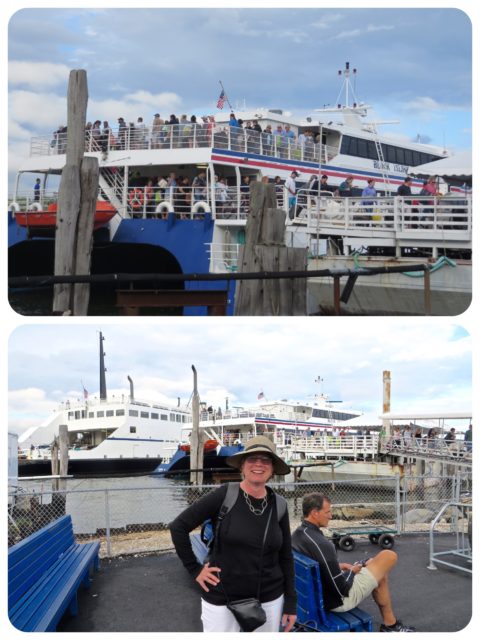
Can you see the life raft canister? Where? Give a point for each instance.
(135, 198)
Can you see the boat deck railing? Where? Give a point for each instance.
(329, 446)
(453, 451)
(189, 136)
(389, 220)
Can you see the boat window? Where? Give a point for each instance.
(400, 156)
(409, 157)
(120, 412)
(100, 414)
(144, 414)
(164, 416)
(133, 412)
(77, 415)
(91, 414)
(389, 153)
(362, 148)
(372, 150)
(133, 429)
(178, 417)
(172, 417)
(154, 416)
(70, 415)
(184, 418)
(109, 413)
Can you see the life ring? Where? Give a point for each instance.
(35, 206)
(201, 207)
(135, 198)
(164, 207)
(14, 206)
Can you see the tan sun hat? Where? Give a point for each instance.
(260, 444)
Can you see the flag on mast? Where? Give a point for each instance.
(85, 392)
(221, 99)
(260, 395)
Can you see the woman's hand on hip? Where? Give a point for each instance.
(207, 576)
(288, 620)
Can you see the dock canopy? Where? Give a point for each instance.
(456, 168)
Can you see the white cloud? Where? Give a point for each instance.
(42, 75)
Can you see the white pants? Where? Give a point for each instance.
(219, 618)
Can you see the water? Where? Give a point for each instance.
(154, 501)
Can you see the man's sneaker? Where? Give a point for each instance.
(398, 626)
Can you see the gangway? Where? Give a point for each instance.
(462, 551)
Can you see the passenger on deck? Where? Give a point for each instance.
(267, 140)
(468, 438)
(324, 186)
(199, 185)
(345, 188)
(345, 585)
(122, 133)
(36, 190)
(369, 192)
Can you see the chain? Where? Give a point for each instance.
(254, 510)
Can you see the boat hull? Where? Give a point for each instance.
(91, 467)
(392, 293)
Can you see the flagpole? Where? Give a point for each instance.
(226, 97)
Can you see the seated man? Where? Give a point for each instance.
(345, 585)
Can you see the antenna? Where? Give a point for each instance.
(347, 86)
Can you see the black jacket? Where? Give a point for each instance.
(237, 551)
(309, 540)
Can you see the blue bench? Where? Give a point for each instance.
(311, 612)
(45, 571)
(310, 607)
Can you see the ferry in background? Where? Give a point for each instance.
(285, 422)
(181, 201)
(107, 436)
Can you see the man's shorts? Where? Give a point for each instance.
(363, 585)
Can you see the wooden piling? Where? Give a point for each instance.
(196, 440)
(265, 251)
(76, 205)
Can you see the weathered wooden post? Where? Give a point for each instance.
(76, 205)
(265, 251)
(60, 468)
(196, 441)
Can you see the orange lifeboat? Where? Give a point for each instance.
(209, 445)
(44, 222)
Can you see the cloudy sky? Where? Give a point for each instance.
(430, 363)
(413, 64)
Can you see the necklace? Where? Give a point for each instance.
(254, 510)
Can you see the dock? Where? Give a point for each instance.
(154, 593)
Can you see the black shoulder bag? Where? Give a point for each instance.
(248, 612)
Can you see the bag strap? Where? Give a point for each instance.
(215, 542)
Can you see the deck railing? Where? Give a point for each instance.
(189, 136)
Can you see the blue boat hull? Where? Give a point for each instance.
(212, 461)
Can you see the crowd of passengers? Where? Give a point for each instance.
(185, 132)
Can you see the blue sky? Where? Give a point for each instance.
(413, 65)
(430, 363)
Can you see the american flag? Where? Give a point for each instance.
(85, 393)
(221, 100)
(260, 395)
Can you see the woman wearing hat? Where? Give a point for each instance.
(239, 568)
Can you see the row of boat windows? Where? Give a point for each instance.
(332, 415)
(78, 415)
(397, 155)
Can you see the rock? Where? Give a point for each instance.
(415, 516)
(356, 513)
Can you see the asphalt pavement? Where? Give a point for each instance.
(142, 593)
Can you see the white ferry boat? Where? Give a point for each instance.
(300, 430)
(107, 435)
(181, 196)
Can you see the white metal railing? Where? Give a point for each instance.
(329, 445)
(454, 450)
(460, 556)
(187, 135)
(445, 221)
(223, 257)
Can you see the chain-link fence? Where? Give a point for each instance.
(135, 520)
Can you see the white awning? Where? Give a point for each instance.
(456, 165)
